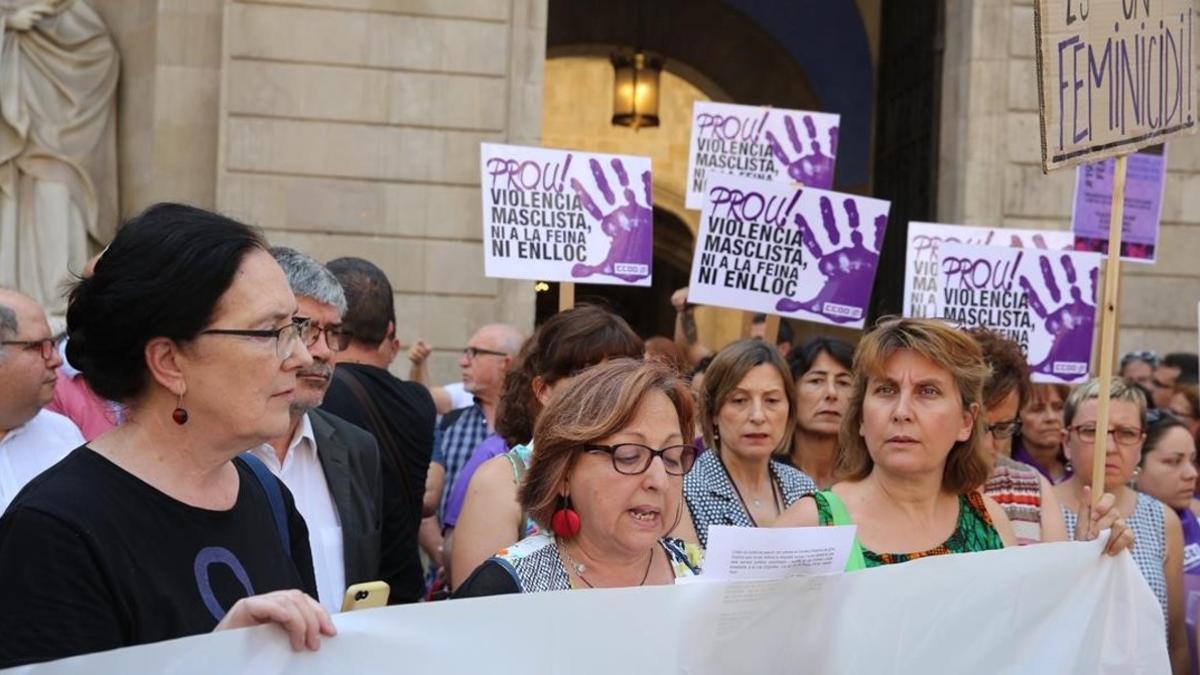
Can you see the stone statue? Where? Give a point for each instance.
(58, 154)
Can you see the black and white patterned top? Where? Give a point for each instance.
(535, 565)
(1150, 542)
(712, 499)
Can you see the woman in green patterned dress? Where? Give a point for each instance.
(910, 464)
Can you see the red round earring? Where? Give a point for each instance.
(179, 414)
(565, 521)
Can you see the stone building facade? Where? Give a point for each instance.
(351, 127)
(991, 169)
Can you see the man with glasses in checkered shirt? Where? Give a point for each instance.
(483, 363)
(31, 439)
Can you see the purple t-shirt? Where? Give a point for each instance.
(1020, 454)
(1191, 573)
(492, 446)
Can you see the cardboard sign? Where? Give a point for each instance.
(798, 252)
(772, 144)
(926, 239)
(1044, 301)
(1145, 177)
(561, 215)
(1113, 76)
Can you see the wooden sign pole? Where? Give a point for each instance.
(1108, 324)
(770, 331)
(566, 296)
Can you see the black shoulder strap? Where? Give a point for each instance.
(374, 416)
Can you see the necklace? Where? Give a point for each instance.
(756, 502)
(580, 568)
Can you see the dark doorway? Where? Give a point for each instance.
(647, 309)
(908, 113)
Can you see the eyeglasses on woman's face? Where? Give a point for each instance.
(1126, 436)
(286, 337)
(633, 459)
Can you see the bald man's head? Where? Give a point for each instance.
(488, 354)
(28, 359)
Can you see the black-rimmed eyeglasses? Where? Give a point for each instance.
(632, 459)
(45, 345)
(285, 337)
(1005, 429)
(472, 352)
(337, 337)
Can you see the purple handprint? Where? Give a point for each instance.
(1038, 242)
(629, 226)
(815, 169)
(1071, 323)
(849, 272)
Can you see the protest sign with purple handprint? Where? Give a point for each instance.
(770, 247)
(846, 262)
(560, 215)
(772, 144)
(1045, 301)
(925, 239)
(629, 225)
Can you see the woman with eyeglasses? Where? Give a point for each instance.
(822, 370)
(483, 513)
(747, 414)
(1156, 529)
(1025, 495)
(605, 487)
(157, 529)
(1139, 367)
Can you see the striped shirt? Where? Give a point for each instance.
(1017, 488)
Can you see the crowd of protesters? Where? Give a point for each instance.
(218, 441)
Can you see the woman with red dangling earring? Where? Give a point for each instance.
(606, 486)
(207, 315)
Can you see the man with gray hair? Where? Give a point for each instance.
(32, 439)
(331, 466)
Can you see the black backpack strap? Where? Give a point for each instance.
(270, 485)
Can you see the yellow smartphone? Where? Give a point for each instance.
(366, 595)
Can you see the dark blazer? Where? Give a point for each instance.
(350, 458)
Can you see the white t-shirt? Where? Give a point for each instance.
(459, 397)
(32, 448)
(301, 472)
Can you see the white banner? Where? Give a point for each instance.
(1051, 608)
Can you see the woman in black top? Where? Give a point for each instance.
(156, 529)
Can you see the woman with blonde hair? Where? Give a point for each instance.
(912, 461)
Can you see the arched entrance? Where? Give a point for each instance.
(807, 54)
